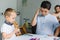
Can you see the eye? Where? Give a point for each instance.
(45, 11)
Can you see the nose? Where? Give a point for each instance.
(14, 19)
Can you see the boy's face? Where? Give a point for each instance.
(44, 11)
(11, 18)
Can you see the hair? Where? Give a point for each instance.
(56, 7)
(46, 4)
(8, 11)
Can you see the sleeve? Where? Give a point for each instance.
(3, 29)
(56, 24)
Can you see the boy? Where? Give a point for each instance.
(46, 23)
(8, 30)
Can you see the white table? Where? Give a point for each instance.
(30, 36)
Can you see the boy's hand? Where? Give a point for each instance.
(16, 30)
(37, 11)
(50, 35)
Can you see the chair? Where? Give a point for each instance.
(34, 29)
(23, 29)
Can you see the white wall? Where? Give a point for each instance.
(19, 9)
(7, 3)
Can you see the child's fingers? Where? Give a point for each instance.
(17, 30)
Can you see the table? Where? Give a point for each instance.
(36, 37)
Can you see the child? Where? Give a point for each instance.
(8, 30)
(46, 23)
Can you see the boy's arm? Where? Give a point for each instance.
(33, 23)
(6, 36)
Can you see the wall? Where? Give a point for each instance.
(28, 11)
(7, 3)
(54, 2)
(19, 8)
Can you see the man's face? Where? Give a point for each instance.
(44, 11)
(12, 17)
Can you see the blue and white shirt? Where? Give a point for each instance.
(46, 24)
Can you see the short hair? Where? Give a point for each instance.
(8, 11)
(46, 4)
(56, 7)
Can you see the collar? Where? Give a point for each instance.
(43, 15)
(8, 23)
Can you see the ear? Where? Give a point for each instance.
(7, 16)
